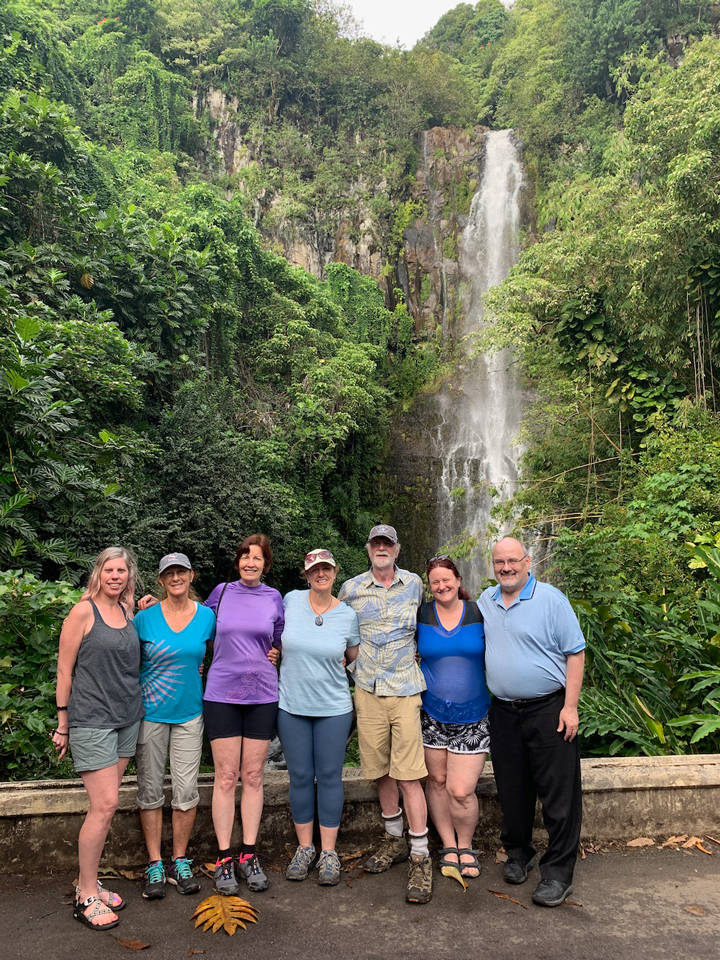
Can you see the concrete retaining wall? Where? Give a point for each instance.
(623, 798)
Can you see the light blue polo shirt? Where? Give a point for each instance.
(527, 644)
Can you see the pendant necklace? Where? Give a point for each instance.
(318, 616)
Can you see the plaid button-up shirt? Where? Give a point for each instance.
(385, 663)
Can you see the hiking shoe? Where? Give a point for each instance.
(391, 850)
(551, 893)
(328, 869)
(300, 863)
(516, 871)
(154, 881)
(249, 867)
(180, 874)
(419, 888)
(225, 882)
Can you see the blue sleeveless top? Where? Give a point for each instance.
(453, 664)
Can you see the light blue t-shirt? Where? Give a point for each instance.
(527, 644)
(170, 678)
(312, 677)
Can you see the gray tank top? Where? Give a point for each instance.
(106, 686)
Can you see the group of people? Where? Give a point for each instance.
(133, 686)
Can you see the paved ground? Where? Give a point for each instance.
(641, 904)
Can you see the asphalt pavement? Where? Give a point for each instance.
(627, 903)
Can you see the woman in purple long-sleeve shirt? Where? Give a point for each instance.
(240, 706)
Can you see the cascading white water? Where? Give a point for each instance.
(481, 410)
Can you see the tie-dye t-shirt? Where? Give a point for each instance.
(170, 678)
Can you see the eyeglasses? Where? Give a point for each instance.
(510, 563)
(318, 555)
(440, 556)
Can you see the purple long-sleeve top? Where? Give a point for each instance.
(250, 621)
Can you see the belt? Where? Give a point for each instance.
(518, 704)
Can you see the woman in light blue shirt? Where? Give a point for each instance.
(315, 711)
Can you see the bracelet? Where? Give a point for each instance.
(62, 733)
(60, 708)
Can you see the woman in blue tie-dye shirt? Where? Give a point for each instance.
(174, 635)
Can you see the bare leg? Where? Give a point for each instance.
(151, 823)
(226, 757)
(415, 806)
(182, 824)
(328, 837)
(388, 795)
(463, 772)
(102, 789)
(438, 800)
(254, 755)
(304, 833)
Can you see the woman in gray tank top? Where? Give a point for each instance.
(99, 712)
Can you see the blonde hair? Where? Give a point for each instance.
(127, 597)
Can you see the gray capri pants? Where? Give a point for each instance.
(184, 740)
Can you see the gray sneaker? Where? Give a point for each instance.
(328, 869)
(249, 868)
(391, 850)
(225, 882)
(300, 863)
(420, 882)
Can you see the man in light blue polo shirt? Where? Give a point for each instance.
(534, 659)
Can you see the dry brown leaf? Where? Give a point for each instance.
(132, 874)
(583, 855)
(226, 912)
(691, 842)
(704, 849)
(193, 952)
(681, 838)
(504, 896)
(707, 835)
(641, 842)
(450, 871)
(133, 944)
(501, 857)
(696, 910)
(572, 903)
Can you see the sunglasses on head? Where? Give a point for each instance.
(318, 555)
(440, 556)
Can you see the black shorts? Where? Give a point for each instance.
(256, 721)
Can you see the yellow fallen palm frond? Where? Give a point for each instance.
(225, 912)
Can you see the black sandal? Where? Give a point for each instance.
(98, 910)
(473, 865)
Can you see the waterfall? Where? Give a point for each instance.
(480, 411)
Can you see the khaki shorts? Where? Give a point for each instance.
(390, 736)
(184, 743)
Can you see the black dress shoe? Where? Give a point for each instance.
(516, 871)
(551, 893)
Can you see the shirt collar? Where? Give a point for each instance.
(397, 578)
(525, 594)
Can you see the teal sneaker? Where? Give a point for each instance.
(181, 876)
(154, 881)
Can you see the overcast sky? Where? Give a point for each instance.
(408, 20)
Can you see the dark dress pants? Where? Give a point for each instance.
(532, 760)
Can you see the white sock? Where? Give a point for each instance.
(394, 824)
(419, 844)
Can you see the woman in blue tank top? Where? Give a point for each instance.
(99, 712)
(451, 644)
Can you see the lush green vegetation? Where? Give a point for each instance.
(614, 311)
(170, 382)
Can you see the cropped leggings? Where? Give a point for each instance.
(314, 749)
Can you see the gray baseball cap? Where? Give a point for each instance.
(174, 560)
(383, 530)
